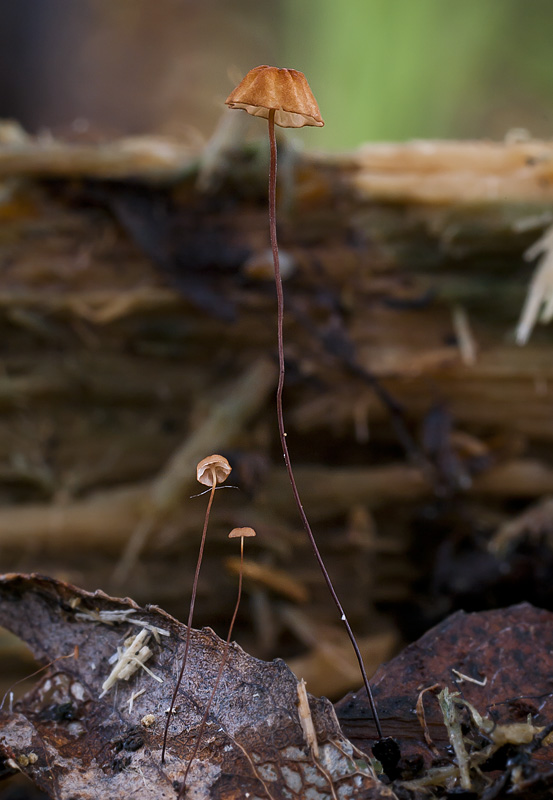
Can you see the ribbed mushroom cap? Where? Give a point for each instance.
(236, 532)
(284, 90)
(211, 465)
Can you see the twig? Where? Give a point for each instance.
(105, 520)
(421, 716)
(145, 156)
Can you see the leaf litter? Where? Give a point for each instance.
(76, 736)
(470, 705)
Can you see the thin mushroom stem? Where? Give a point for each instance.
(280, 416)
(190, 614)
(219, 675)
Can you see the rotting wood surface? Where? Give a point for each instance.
(132, 305)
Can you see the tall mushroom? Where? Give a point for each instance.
(283, 97)
(210, 471)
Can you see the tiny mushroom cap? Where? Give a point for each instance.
(236, 532)
(285, 91)
(213, 467)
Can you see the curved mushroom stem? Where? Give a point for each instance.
(219, 675)
(190, 614)
(280, 417)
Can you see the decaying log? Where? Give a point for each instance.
(131, 300)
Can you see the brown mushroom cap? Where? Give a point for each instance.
(284, 90)
(245, 532)
(210, 466)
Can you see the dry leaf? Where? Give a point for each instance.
(74, 743)
(494, 669)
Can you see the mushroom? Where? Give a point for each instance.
(241, 533)
(285, 92)
(283, 97)
(210, 471)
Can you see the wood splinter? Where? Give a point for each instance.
(308, 728)
(128, 660)
(306, 720)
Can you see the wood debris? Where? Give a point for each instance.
(137, 328)
(129, 659)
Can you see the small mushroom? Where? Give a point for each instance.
(210, 471)
(241, 533)
(213, 469)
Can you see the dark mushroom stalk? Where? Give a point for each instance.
(242, 533)
(210, 471)
(283, 97)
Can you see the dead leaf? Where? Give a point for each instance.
(497, 665)
(74, 743)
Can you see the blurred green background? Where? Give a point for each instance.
(401, 69)
(380, 69)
